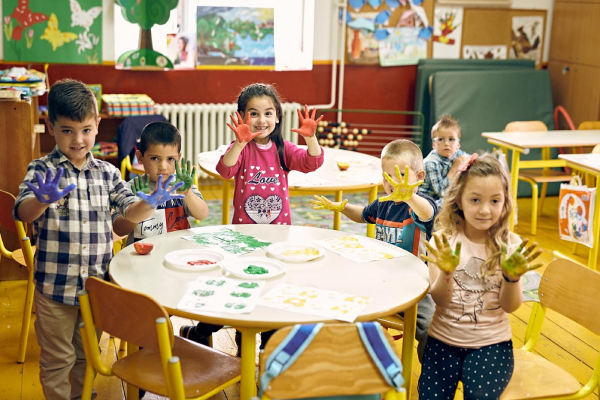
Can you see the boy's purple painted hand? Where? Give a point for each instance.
(241, 129)
(518, 262)
(162, 193)
(444, 257)
(48, 192)
(308, 125)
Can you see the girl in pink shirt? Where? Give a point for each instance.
(260, 159)
(474, 286)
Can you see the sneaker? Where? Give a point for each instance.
(189, 332)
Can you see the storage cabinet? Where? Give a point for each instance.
(574, 63)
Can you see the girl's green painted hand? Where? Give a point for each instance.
(403, 190)
(444, 257)
(518, 262)
(185, 173)
(308, 125)
(242, 130)
(141, 184)
(323, 203)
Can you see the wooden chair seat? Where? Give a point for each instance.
(393, 322)
(535, 377)
(18, 256)
(203, 368)
(541, 176)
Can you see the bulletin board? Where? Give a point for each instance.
(493, 26)
(368, 11)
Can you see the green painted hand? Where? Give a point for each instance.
(323, 203)
(444, 257)
(308, 125)
(402, 190)
(184, 173)
(242, 130)
(141, 184)
(518, 262)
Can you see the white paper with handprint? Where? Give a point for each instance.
(218, 294)
(359, 248)
(308, 300)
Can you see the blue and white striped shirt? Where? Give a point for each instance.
(74, 236)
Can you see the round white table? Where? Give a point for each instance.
(394, 284)
(364, 174)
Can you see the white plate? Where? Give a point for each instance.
(295, 251)
(236, 267)
(180, 259)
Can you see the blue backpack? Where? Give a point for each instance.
(300, 337)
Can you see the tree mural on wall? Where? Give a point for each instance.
(146, 14)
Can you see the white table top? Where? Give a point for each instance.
(590, 162)
(537, 140)
(364, 171)
(394, 284)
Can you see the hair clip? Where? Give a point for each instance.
(464, 166)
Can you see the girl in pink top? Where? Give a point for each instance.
(474, 286)
(260, 159)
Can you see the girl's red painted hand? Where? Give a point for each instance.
(308, 125)
(241, 129)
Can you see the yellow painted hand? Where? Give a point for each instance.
(444, 257)
(518, 262)
(402, 190)
(323, 203)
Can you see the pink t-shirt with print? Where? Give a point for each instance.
(261, 185)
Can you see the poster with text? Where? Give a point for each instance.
(447, 32)
(235, 36)
(181, 48)
(526, 40)
(484, 52)
(402, 47)
(52, 31)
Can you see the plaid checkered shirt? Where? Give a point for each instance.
(436, 173)
(74, 236)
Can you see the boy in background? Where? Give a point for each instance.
(442, 162)
(72, 229)
(404, 218)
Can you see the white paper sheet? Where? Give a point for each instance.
(223, 295)
(359, 248)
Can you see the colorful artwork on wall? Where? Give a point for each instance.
(235, 36)
(484, 52)
(53, 31)
(402, 46)
(181, 48)
(447, 32)
(526, 40)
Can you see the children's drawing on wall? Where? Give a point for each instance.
(181, 49)
(362, 45)
(235, 36)
(447, 32)
(484, 52)
(527, 38)
(402, 46)
(60, 32)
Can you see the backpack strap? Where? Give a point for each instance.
(381, 353)
(287, 352)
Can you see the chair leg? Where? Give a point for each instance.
(534, 207)
(543, 197)
(26, 320)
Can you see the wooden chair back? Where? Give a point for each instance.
(335, 363)
(572, 290)
(7, 203)
(525, 126)
(587, 125)
(125, 314)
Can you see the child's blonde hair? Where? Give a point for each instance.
(405, 150)
(451, 218)
(445, 122)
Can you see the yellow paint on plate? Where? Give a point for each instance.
(300, 252)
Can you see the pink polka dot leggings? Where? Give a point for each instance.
(484, 372)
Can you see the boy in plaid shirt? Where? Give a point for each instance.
(72, 227)
(441, 164)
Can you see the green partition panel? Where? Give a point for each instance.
(429, 66)
(485, 101)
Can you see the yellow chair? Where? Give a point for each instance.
(23, 256)
(167, 365)
(588, 125)
(571, 290)
(335, 363)
(535, 176)
(127, 166)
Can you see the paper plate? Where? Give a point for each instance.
(295, 251)
(239, 267)
(183, 259)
